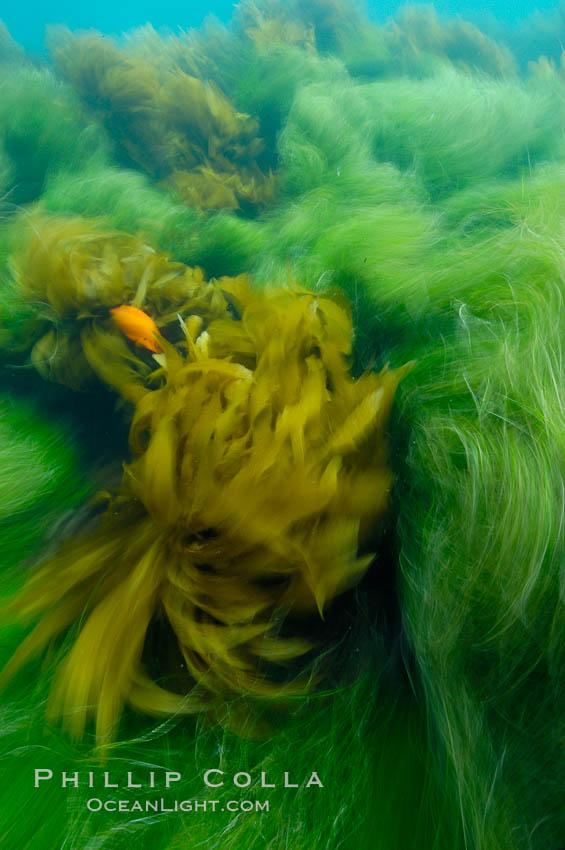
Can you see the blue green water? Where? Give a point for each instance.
(27, 22)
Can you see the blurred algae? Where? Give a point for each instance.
(259, 469)
(417, 33)
(180, 129)
(75, 271)
(43, 131)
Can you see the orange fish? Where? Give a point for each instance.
(137, 326)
